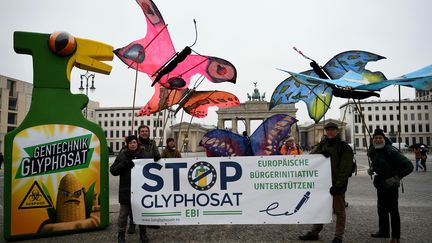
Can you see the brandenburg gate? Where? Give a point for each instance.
(256, 108)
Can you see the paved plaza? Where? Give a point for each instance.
(415, 206)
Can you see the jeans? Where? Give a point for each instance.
(339, 210)
(418, 165)
(125, 210)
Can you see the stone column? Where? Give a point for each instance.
(247, 121)
(234, 125)
(220, 124)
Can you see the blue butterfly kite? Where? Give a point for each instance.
(317, 94)
(264, 141)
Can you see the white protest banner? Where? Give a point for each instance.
(232, 190)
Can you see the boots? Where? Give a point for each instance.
(131, 229)
(394, 240)
(309, 236)
(121, 237)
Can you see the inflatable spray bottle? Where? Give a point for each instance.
(56, 161)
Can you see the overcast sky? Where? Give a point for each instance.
(256, 36)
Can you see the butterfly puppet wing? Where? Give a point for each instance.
(162, 98)
(353, 61)
(317, 92)
(316, 95)
(219, 142)
(420, 79)
(347, 70)
(155, 55)
(195, 103)
(198, 102)
(267, 137)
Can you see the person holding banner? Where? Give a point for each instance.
(290, 148)
(341, 157)
(150, 151)
(149, 145)
(389, 167)
(170, 150)
(122, 167)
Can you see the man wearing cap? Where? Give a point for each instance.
(389, 166)
(341, 157)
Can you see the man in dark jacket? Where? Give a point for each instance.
(341, 158)
(122, 167)
(389, 166)
(150, 150)
(149, 145)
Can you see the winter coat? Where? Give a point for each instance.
(150, 148)
(169, 153)
(294, 150)
(341, 158)
(388, 162)
(122, 167)
(417, 153)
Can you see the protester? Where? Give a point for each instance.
(341, 157)
(417, 155)
(150, 151)
(122, 167)
(149, 145)
(290, 148)
(170, 150)
(423, 157)
(389, 167)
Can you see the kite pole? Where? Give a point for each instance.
(366, 129)
(400, 119)
(133, 101)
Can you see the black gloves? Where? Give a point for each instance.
(130, 165)
(335, 190)
(156, 158)
(325, 153)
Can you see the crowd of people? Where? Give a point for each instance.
(388, 167)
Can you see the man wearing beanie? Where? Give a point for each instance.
(388, 166)
(170, 150)
(341, 158)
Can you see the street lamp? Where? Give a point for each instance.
(87, 75)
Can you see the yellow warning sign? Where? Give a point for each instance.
(35, 198)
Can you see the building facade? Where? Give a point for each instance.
(311, 134)
(423, 95)
(188, 136)
(15, 99)
(413, 120)
(119, 122)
